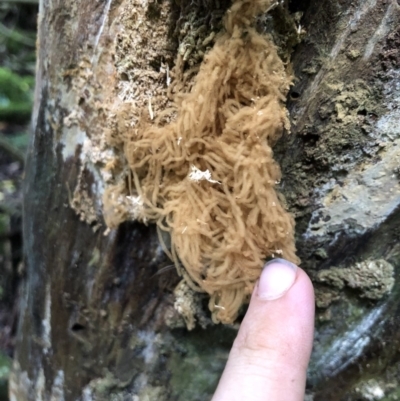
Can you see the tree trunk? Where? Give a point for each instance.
(97, 316)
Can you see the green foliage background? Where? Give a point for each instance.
(17, 67)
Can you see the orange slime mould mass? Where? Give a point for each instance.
(207, 176)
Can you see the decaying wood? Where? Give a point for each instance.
(97, 322)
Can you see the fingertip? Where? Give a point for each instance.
(282, 302)
(276, 279)
(272, 350)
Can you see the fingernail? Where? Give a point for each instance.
(276, 278)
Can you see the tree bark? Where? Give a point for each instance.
(96, 320)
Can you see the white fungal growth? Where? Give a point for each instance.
(168, 76)
(151, 110)
(135, 200)
(197, 175)
(134, 206)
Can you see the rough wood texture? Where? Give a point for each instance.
(96, 324)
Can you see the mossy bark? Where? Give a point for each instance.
(96, 323)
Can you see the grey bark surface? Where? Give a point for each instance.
(96, 321)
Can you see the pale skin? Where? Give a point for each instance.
(269, 358)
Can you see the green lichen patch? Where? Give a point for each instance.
(383, 386)
(196, 366)
(373, 279)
